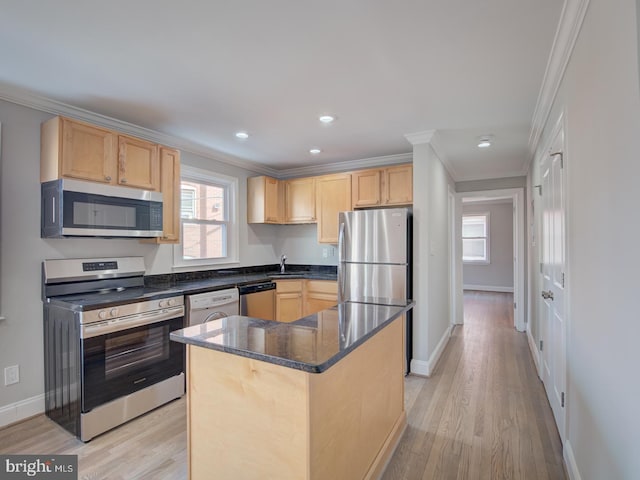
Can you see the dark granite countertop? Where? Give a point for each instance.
(312, 344)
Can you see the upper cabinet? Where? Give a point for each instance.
(265, 200)
(300, 200)
(138, 163)
(73, 149)
(383, 186)
(333, 195)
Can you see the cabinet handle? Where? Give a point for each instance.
(107, 178)
(123, 180)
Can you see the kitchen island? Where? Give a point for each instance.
(319, 398)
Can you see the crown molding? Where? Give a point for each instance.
(571, 19)
(418, 138)
(491, 177)
(346, 166)
(28, 99)
(444, 159)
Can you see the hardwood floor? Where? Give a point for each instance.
(482, 415)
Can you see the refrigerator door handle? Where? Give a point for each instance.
(340, 258)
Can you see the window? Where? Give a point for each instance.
(208, 217)
(475, 238)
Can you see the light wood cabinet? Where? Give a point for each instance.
(170, 188)
(74, 149)
(397, 185)
(265, 200)
(383, 186)
(365, 188)
(288, 300)
(333, 195)
(77, 150)
(319, 295)
(300, 200)
(138, 163)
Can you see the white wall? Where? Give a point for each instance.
(300, 244)
(600, 99)
(499, 273)
(431, 316)
(23, 250)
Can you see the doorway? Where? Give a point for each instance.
(477, 232)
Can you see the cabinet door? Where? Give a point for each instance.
(170, 188)
(398, 185)
(319, 295)
(138, 164)
(333, 195)
(273, 200)
(88, 152)
(300, 200)
(365, 186)
(288, 306)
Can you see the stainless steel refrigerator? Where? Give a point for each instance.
(374, 259)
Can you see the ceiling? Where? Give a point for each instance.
(203, 70)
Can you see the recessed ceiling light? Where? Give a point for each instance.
(485, 141)
(315, 151)
(326, 118)
(242, 135)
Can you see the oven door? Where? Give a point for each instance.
(124, 361)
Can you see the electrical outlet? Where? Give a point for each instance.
(11, 375)
(332, 251)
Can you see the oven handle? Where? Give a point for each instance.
(130, 321)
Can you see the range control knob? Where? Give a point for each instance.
(171, 302)
(163, 303)
(102, 314)
(113, 312)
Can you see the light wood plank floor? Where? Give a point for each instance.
(482, 415)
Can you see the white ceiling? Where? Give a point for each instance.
(202, 70)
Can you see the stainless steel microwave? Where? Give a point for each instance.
(87, 209)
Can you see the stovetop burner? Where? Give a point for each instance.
(104, 298)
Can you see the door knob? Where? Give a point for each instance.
(547, 295)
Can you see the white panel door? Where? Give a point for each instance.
(552, 318)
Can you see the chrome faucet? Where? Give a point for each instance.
(283, 258)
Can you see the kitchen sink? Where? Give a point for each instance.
(287, 275)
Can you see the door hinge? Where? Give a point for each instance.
(515, 305)
(562, 399)
(540, 267)
(541, 345)
(562, 279)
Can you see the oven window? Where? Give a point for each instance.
(104, 215)
(129, 352)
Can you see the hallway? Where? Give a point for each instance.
(484, 413)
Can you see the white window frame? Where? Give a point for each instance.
(487, 237)
(231, 183)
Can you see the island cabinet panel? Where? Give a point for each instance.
(74, 149)
(138, 163)
(300, 200)
(333, 195)
(251, 419)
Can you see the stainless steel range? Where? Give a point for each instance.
(108, 357)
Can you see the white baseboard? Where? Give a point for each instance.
(21, 410)
(534, 352)
(425, 369)
(570, 462)
(488, 288)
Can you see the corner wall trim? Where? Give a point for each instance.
(570, 462)
(488, 288)
(21, 410)
(534, 352)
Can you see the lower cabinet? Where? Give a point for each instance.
(298, 298)
(288, 300)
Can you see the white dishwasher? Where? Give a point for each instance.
(205, 307)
